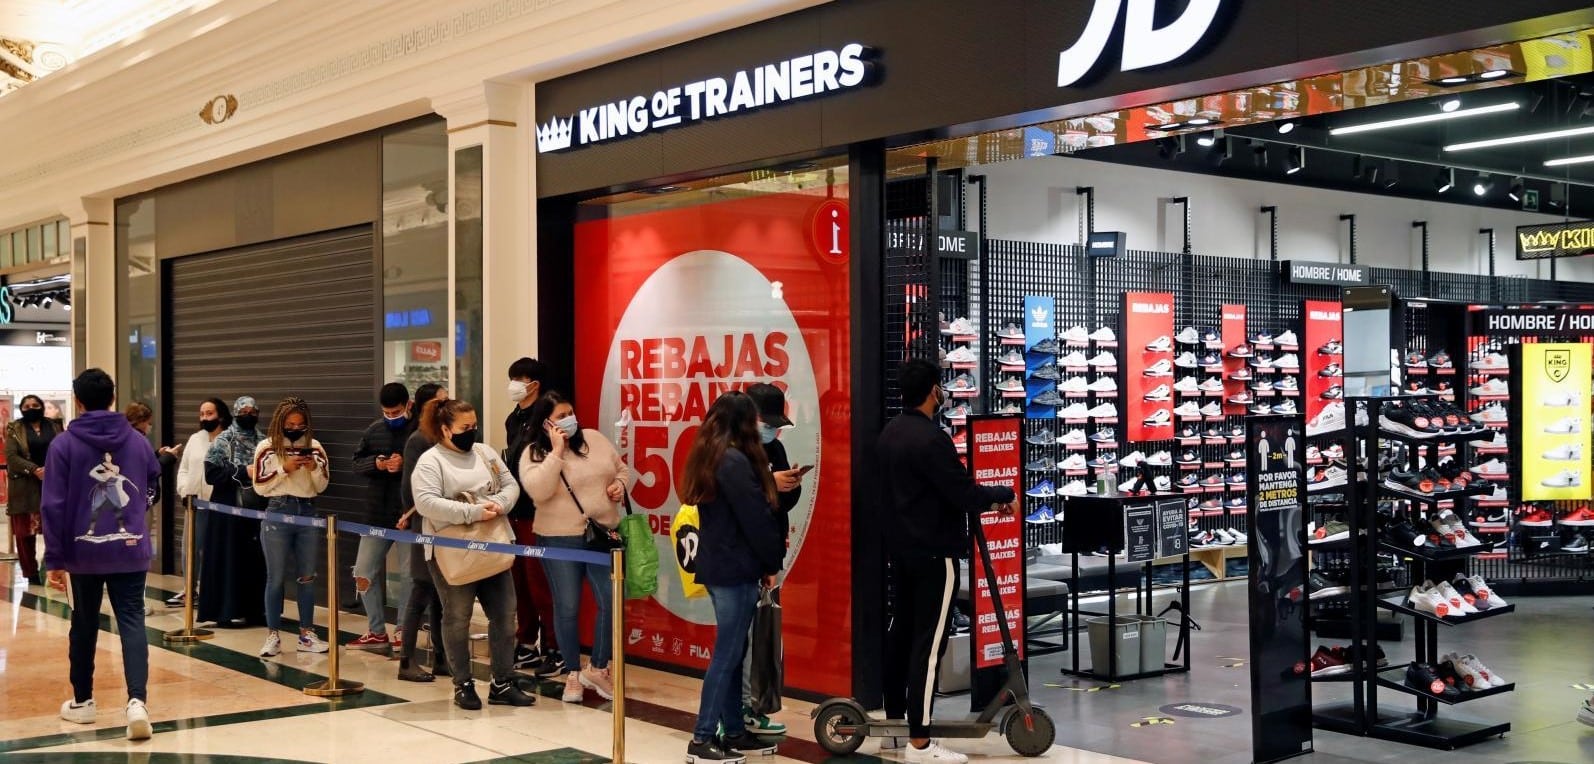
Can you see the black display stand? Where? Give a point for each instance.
(1363, 714)
(1097, 522)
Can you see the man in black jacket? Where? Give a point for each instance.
(528, 380)
(380, 459)
(929, 498)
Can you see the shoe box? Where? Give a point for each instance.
(953, 671)
(1535, 542)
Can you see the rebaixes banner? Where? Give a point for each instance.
(673, 309)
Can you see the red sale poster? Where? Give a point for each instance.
(996, 459)
(1148, 365)
(1321, 357)
(676, 307)
(1233, 332)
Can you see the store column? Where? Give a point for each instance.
(93, 279)
(493, 266)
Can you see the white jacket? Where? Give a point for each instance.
(191, 470)
(442, 475)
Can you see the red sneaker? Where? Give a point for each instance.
(371, 642)
(1580, 516)
(1327, 662)
(1537, 517)
(397, 640)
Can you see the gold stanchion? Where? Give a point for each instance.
(617, 638)
(333, 687)
(188, 634)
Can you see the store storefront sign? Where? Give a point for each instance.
(1144, 43)
(1107, 243)
(963, 245)
(34, 338)
(1340, 274)
(1531, 321)
(6, 311)
(811, 74)
(1542, 242)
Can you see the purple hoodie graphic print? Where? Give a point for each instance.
(100, 479)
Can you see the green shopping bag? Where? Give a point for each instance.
(641, 555)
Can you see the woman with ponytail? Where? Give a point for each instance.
(290, 468)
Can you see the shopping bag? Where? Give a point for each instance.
(641, 555)
(768, 670)
(683, 536)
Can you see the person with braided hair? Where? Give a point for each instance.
(290, 468)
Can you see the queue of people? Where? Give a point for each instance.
(425, 471)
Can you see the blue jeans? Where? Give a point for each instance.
(564, 579)
(280, 542)
(721, 704)
(370, 564)
(127, 605)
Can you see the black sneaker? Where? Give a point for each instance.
(175, 601)
(1322, 586)
(508, 694)
(527, 658)
(1048, 398)
(1047, 346)
(552, 665)
(1041, 438)
(1189, 431)
(749, 743)
(465, 697)
(960, 621)
(1421, 676)
(711, 751)
(1048, 372)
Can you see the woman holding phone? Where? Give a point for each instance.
(291, 469)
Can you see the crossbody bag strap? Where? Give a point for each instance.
(572, 492)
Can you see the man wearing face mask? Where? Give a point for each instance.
(380, 458)
(537, 650)
(929, 499)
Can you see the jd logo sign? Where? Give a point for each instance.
(1144, 44)
(1557, 364)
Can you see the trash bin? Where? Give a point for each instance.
(1124, 641)
(1153, 642)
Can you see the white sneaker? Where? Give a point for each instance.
(934, 752)
(1490, 468)
(1287, 339)
(1073, 360)
(1076, 334)
(1072, 438)
(1185, 360)
(1071, 385)
(1566, 452)
(1189, 335)
(1468, 664)
(1559, 399)
(138, 727)
(1104, 411)
(1104, 359)
(1563, 479)
(1458, 603)
(1159, 393)
(1160, 459)
(1188, 410)
(1567, 426)
(1160, 345)
(273, 646)
(1212, 385)
(1073, 411)
(1133, 459)
(1074, 488)
(310, 643)
(1104, 334)
(1103, 385)
(1481, 588)
(1187, 385)
(79, 713)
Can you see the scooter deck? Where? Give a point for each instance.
(947, 729)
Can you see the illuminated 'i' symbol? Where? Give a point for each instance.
(835, 232)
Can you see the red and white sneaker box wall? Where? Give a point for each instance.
(1323, 325)
(1233, 333)
(1147, 317)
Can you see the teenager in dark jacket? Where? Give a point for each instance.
(537, 647)
(930, 499)
(380, 460)
(423, 597)
(27, 444)
(741, 543)
(100, 478)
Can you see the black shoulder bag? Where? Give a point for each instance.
(596, 537)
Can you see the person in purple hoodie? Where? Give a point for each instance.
(100, 478)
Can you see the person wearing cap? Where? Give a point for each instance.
(232, 568)
(772, 420)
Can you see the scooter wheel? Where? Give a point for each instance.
(839, 729)
(1033, 738)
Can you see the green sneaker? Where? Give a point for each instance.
(759, 724)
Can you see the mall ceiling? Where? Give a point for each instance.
(1414, 159)
(38, 37)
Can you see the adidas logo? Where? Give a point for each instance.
(1040, 313)
(554, 136)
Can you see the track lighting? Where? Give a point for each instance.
(1169, 148)
(1421, 119)
(1483, 185)
(1445, 180)
(1392, 175)
(1516, 190)
(1295, 161)
(1510, 140)
(1209, 140)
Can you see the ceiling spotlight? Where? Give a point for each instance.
(1453, 81)
(1210, 139)
(1197, 121)
(1493, 74)
(1295, 161)
(1450, 105)
(1470, 79)
(1445, 180)
(1483, 185)
(1223, 152)
(1259, 154)
(1516, 190)
(1285, 128)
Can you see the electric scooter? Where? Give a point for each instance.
(842, 724)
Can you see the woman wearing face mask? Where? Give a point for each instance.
(27, 443)
(230, 573)
(574, 475)
(423, 597)
(461, 482)
(290, 468)
(191, 483)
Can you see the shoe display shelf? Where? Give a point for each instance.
(1373, 708)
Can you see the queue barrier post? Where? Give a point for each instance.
(617, 638)
(188, 634)
(333, 687)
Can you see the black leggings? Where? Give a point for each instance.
(423, 599)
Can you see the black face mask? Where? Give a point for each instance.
(209, 425)
(463, 440)
(247, 422)
(292, 435)
(32, 415)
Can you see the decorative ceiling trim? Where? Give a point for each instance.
(415, 40)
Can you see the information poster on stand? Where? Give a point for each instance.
(995, 458)
(1552, 451)
(1173, 527)
(1140, 532)
(1281, 687)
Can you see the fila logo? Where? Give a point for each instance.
(1144, 45)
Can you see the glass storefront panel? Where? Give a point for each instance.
(468, 273)
(415, 255)
(137, 305)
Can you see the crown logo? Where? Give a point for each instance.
(554, 136)
(1040, 314)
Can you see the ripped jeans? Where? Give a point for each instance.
(280, 543)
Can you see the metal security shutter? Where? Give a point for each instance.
(288, 317)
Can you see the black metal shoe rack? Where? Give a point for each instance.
(1373, 503)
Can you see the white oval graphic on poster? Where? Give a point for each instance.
(703, 323)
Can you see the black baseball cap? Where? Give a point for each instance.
(771, 404)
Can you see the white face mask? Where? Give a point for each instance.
(518, 390)
(569, 425)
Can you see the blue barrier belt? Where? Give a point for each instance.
(406, 537)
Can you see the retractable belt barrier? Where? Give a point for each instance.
(333, 686)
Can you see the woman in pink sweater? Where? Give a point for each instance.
(574, 475)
